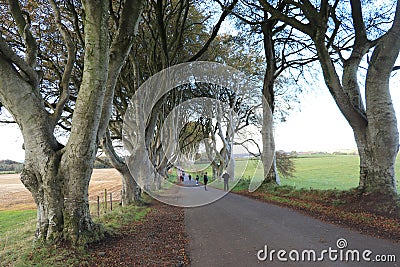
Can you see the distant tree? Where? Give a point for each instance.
(10, 166)
(285, 164)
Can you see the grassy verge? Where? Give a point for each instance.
(17, 230)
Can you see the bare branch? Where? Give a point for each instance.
(276, 14)
(7, 122)
(250, 140)
(30, 74)
(24, 31)
(71, 51)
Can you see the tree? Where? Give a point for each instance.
(172, 32)
(286, 58)
(374, 124)
(58, 176)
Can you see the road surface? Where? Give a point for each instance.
(233, 230)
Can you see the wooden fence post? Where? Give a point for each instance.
(105, 200)
(111, 201)
(98, 206)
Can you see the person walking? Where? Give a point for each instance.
(197, 179)
(205, 180)
(226, 177)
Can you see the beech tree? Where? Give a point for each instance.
(286, 57)
(372, 118)
(171, 32)
(58, 176)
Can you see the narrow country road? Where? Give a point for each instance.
(231, 231)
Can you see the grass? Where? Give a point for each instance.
(121, 216)
(9, 220)
(318, 171)
(325, 172)
(17, 230)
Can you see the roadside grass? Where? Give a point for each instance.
(120, 217)
(17, 230)
(316, 171)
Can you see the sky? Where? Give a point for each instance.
(11, 143)
(318, 126)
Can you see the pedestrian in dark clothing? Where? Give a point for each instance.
(205, 180)
(190, 177)
(226, 177)
(197, 179)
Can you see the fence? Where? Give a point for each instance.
(106, 201)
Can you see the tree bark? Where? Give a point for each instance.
(77, 161)
(58, 177)
(375, 126)
(268, 155)
(382, 136)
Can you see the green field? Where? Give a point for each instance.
(325, 172)
(322, 171)
(17, 229)
(319, 171)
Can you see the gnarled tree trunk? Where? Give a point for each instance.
(57, 176)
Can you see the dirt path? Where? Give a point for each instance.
(158, 240)
(231, 231)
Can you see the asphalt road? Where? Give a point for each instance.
(233, 230)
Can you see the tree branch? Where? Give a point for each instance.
(24, 31)
(119, 51)
(215, 31)
(71, 51)
(29, 74)
(108, 148)
(276, 14)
